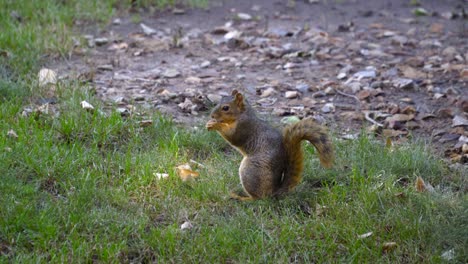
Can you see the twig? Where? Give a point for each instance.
(368, 118)
(351, 96)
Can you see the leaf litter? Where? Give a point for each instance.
(393, 73)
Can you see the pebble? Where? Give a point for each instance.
(244, 16)
(205, 64)
(171, 73)
(101, 41)
(147, 30)
(403, 83)
(365, 74)
(329, 91)
(105, 67)
(268, 92)
(215, 98)
(328, 108)
(341, 75)
(291, 94)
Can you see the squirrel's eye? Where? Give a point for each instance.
(225, 108)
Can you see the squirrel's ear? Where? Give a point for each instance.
(239, 99)
(234, 92)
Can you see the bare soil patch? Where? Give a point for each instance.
(388, 67)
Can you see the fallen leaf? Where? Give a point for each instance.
(422, 186)
(146, 123)
(412, 73)
(186, 225)
(366, 235)
(160, 175)
(87, 106)
(147, 30)
(389, 246)
(320, 210)
(419, 184)
(459, 120)
(448, 255)
(400, 118)
(12, 134)
(388, 143)
(47, 76)
(186, 173)
(118, 46)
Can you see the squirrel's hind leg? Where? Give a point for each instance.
(243, 198)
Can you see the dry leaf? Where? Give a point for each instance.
(146, 123)
(389, 246)
(186, 225)
(320, 210)
(186, 173)
(366, 235)
(47, 76)
(118, 46)
(420, 186)
(197, 163)
(160, 175)
(87, 106)
(12, 134)
(388, 143)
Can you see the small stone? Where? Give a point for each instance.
(105, 67)
(215, 98)
(186, 225)
(376, 84)
(101, 41)
(244, 16)
(147, 30)
(290, 65)
(459, 120)
(178, 11)
(87, 106)
(123, 111)
(232, 35)
(450, 51)
(341, 75)
(268, 92)
(403, 83)
(117, 21)
(302, 87)
(171, 73)
(407, 100)
(328, 108)
(291, 94)
(329, 90)
(193, 80)
(205, 64)
(354, 86)
(364, 74)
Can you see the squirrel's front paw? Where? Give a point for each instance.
(211, 124)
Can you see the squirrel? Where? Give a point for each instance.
(273, 161)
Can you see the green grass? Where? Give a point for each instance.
(79, 186)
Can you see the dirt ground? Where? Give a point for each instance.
(387, 67)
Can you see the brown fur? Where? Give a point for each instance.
(273, 161)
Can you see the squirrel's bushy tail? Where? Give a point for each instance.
(293, 135)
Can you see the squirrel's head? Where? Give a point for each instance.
(229, 108)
